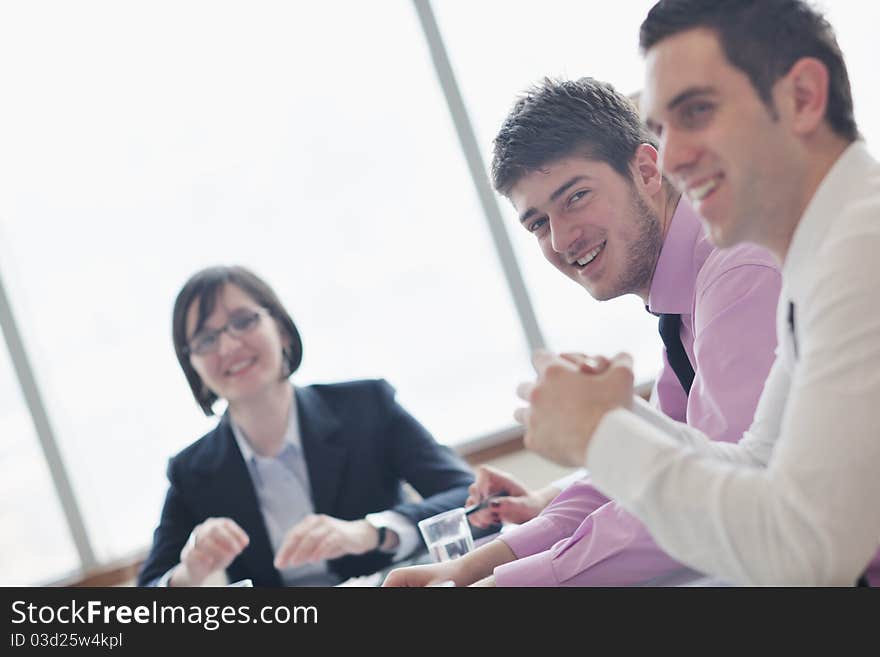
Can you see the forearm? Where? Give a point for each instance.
(482, 562)
(175, 526)
(810, 515)
(804, 520)
(610, 548)
(557, 521)
(742, 452)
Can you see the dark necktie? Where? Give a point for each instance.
(670, 332)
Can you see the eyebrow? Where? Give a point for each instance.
(687, 94)
(564, 187)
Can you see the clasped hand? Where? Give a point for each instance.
(568, 399)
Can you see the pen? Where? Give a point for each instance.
(473, 508)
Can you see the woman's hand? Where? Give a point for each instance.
(434, 574)
(318, 537)
(518, 505)
(212, 546)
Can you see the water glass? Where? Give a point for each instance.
(447, 535)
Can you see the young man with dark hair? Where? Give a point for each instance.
(751, 102)
(581, 170)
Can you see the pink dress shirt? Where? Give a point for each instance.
(727, 301)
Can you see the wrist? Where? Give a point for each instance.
(582, 448)
(382, 538)
(180, 576)
(368, 536)
(467, 570)
(480, 563)
(543, 496)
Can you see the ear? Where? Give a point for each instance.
(807, 90)
(646, 173)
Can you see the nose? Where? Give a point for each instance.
(562, 233)
(226, 342)
(678, 156)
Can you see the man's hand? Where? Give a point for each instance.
(317, 537)
(587, 364)
(520, 505)
(212, 546)
(566, 404)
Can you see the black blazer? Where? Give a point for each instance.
(359, 446)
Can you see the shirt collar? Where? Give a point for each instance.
(683, 253)
(832, 192)
(291, 435)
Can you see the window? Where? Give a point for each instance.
(300, 145)
(851, 20)
(35, 543)
(313, 144)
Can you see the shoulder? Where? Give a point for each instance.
(346, 391)
(203, 450)
(859, 217)
(846, 262)
(740, 284)
(363, 397)
(355, 387)
(742, 258)
(846, 252)
(740, 270)
(857, 213)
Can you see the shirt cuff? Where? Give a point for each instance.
(407, 533)
(166, 578)
(533, 537)
(534, 570)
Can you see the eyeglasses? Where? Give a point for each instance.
(240, 323)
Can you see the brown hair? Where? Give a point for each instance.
(561, 118)
(203, 287)
(763, 39)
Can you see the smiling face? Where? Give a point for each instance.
(244, 366)
(592, 224)
(720, 144)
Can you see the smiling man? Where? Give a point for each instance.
(582, 173)
(751, 101)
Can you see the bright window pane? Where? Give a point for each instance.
(145, 141)
(35, 544)
(854, 22)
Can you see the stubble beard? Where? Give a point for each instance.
(643, 252)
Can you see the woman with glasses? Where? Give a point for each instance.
(295, 485)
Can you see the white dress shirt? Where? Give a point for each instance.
(797, 500)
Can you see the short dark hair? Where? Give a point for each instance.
(204, 287)
(556, 119)
(763, 39)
